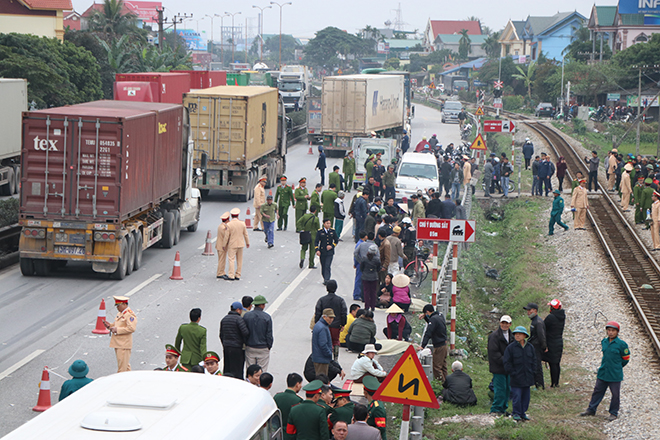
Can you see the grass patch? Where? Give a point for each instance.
(8, 212)
(515, 248)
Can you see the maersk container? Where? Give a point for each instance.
(102, 161)
(203, 79)
(165, 86)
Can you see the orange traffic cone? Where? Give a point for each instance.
(208, 249)
(310, 149)
(248, 221)
(100, 328)
(270, 192)
(43, 403)
(176, 270)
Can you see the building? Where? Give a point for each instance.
(623, 25)
(550, 35)
(511, 42)
(146, 12)
(447, 27)
(452, 41)
(401, 49)
(43, 18)
(72, 20)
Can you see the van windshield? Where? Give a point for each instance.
(453, 105)
(419, 170)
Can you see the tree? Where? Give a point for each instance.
(544, 83)
(118, 54)
(89, 41)
(392, 63)
(464, 48)
(581, 46)
(492, 45)
(420, 63)
(489, 73)
(370, 33)
(331, 47)
(112, 19)
(526, 77)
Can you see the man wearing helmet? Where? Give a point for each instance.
(616, 355)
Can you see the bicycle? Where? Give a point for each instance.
(417, 270)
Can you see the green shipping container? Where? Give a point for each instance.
(237, 79)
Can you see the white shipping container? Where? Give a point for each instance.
(14, 102)
(359, 104)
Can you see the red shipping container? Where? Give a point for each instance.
(102, 161)
(135, 91)
(204, 79)
(169, 87)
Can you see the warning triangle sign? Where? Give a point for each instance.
(407, 383)
(479, 112)
(479, 143)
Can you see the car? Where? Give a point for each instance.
(450, 111)
(416, 171)
(544, 109)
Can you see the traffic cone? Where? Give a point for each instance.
(43, 403)
(176, 270)
(248, 221)
(310, 149)
(100, 328)
(208, 249)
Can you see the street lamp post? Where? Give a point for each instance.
(222, 39)
(261, 31)
(211, 17)
(281, 6)
(233, 42)
(561, 100)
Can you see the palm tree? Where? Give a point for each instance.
(119, 55)
(112, 19)
(526, 77)
(464, 48)
(492, 45)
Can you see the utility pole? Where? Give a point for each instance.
(233, 33)
(246, 39)
(180, 18)
(212, 41)
(639, 103)
(161, 30)
(261, 30)
(222, 39)
(281, 6)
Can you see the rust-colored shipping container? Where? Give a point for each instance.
(203, 79)
(103, 161)
(165, 86)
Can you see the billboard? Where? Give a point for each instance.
(650, 9)
(194, 40)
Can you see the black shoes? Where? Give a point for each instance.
(301, 263)
(270, 245)
(587, 414)
(223, 277)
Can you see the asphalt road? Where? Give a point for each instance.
(48, 321)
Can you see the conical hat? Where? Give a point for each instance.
(394, 309)
(401, 280)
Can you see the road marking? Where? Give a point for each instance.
(8, 273)
(144, 284)
(20, 363)
(204, 245)
(294, 284)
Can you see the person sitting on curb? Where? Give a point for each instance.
(458, 387)
(78, 370)
(366, 365)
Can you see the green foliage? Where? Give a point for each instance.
(420, 63)
(392, 63)
(526, 76)
(331, 46)
(89, 41)
(464, 48)
(111, 19)
(9, 212)
(579, 127)
(57, 73)
(492, 45)
(513, 102)
(545, 85)
(271, 49)
(581, 46)
(489, 73)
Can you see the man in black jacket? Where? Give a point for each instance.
(434, 208)
(458, 387)
(554, 326)
(260, 341)
(537, 339)
(497, 343)
(233, 335)
(448, 207)
(334, 370)
(445, 171)
(338, 305)
(326, 240)
(436, 331)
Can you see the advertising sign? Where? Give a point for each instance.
(650, 9)
(193, 39)
(646, 100)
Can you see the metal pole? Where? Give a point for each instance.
(246, 39)
(639, 110)
(222, 40)
(561, 97)
(454, 269)
(405, 420)
(233, 43)
(434, 282)
(499, 78)
(280, 63)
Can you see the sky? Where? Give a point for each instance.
(304, 17)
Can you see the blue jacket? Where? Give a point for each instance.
(528, 150)
(360, 209)
(519, 363)
(321, 162)
(546, 169)
(321, 343)
(496, 170)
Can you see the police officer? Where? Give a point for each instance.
(308, 420)
(377, 415)
(308, 223)
(301, 194)
(122, 330)
(325, 242)
(555, 214)
(328, 198)
(315, 200)
(349, 170)
(235, 240)
(335, 177)
(193, 337)
(343, 410)
(222, 252)
(172, 359)
(212, 363)
(284, 199)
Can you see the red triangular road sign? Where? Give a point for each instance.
(479, 143)
(468, 231)
(512, 127)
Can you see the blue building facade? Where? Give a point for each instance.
(550, 35)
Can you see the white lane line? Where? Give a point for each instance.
(143, 284)
(348, 229)
(204, 245)
(8, 273)
(20, 363)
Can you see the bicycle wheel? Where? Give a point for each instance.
(512, 186)
(423, 271)
(412, 273)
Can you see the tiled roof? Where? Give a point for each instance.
(454, 27)
(605, 15)
(632, 19)
(63, 5)
(455, 38)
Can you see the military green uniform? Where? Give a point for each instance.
(300, 195)
(343, 413)
(334, 177)
(286, 400)
(307, 420)
(171, 349)
(349, 172)
(637, 195)
(310, 223)
(369, 167)
(284, 199)
(327, 408)
(315, 200)
(646, 202)
(555, 214)
(328, 198)
(194, 344)
(378, 418)
(212, 355)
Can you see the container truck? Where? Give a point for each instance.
(239, 135)
(294, 83)
(104, 181)
(203, 79)
(151, 87)
(314, 135)
(357, 105)
(14, 102)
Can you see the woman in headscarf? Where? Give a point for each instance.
(397, 326)
(401, 291)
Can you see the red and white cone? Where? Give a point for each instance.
(248, 221)
(176, 270)
(100, 328)
(310, 149)
(208, 249)
(43, 403)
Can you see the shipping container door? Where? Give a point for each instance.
(230, 125)
(167, 153)
(354, 98)
(201, 110)
(332, 106)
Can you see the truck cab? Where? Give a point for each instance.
(363, 148)
(293, 90)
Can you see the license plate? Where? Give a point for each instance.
(70, 250)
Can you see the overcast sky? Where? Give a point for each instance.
(304, 17)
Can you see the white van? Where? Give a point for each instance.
(159, 405)
(365, 147)
(416, 171)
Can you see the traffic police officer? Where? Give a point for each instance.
(172, 359)
(343, 410)
(349, 170)
(301, 194)
(211, 362)
(121, 331)
(284, 199)
(222, 252)
(377, 415)
(308, 420)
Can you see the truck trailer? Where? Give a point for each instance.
(104, 181)
(152, 86)
(294, 84)
(14, 103)
(314, 107)
(239, 135)
(357, 105)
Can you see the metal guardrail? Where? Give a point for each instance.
(8, 235)
(296, 134)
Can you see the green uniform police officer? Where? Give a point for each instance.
(308, 421)
(377, 415)
(349, 171)
(343, 410)
(301, 194)
(555, 214)
(284, 199)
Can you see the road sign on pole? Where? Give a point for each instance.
(497, 103)
(498, 84)
(479, 112)
(479, 143)
(500, 126)
(446, 230)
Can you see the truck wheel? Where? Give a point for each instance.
(8, 188)
(205, 192)
(27, 267)
(120, 272)
(168, 231)
(137, 238)
(193, 227)
(42, 267)
(177, 226)
(130, 254)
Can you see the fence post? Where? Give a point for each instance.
(454, 270)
